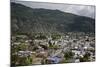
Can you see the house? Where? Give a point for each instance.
(16, 43)
(53, 60)
(24, 53)
(42, 54)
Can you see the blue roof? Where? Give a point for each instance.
(55, 59)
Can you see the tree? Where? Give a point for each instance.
(85, 58)
(68, 55)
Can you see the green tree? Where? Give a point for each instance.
(68, 55)
(85, 58)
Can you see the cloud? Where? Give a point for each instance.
(83, 10)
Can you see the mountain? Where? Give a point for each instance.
(26, 20)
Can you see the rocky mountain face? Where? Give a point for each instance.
(25, 19)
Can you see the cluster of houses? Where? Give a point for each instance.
(43, 53)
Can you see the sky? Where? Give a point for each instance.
(82, 10)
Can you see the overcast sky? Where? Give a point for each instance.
(82, 10)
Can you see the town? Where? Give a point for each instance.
(40, 48)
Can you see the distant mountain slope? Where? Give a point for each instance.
(25, 19)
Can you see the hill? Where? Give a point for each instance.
(26, 20)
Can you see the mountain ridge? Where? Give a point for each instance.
(25, 19)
